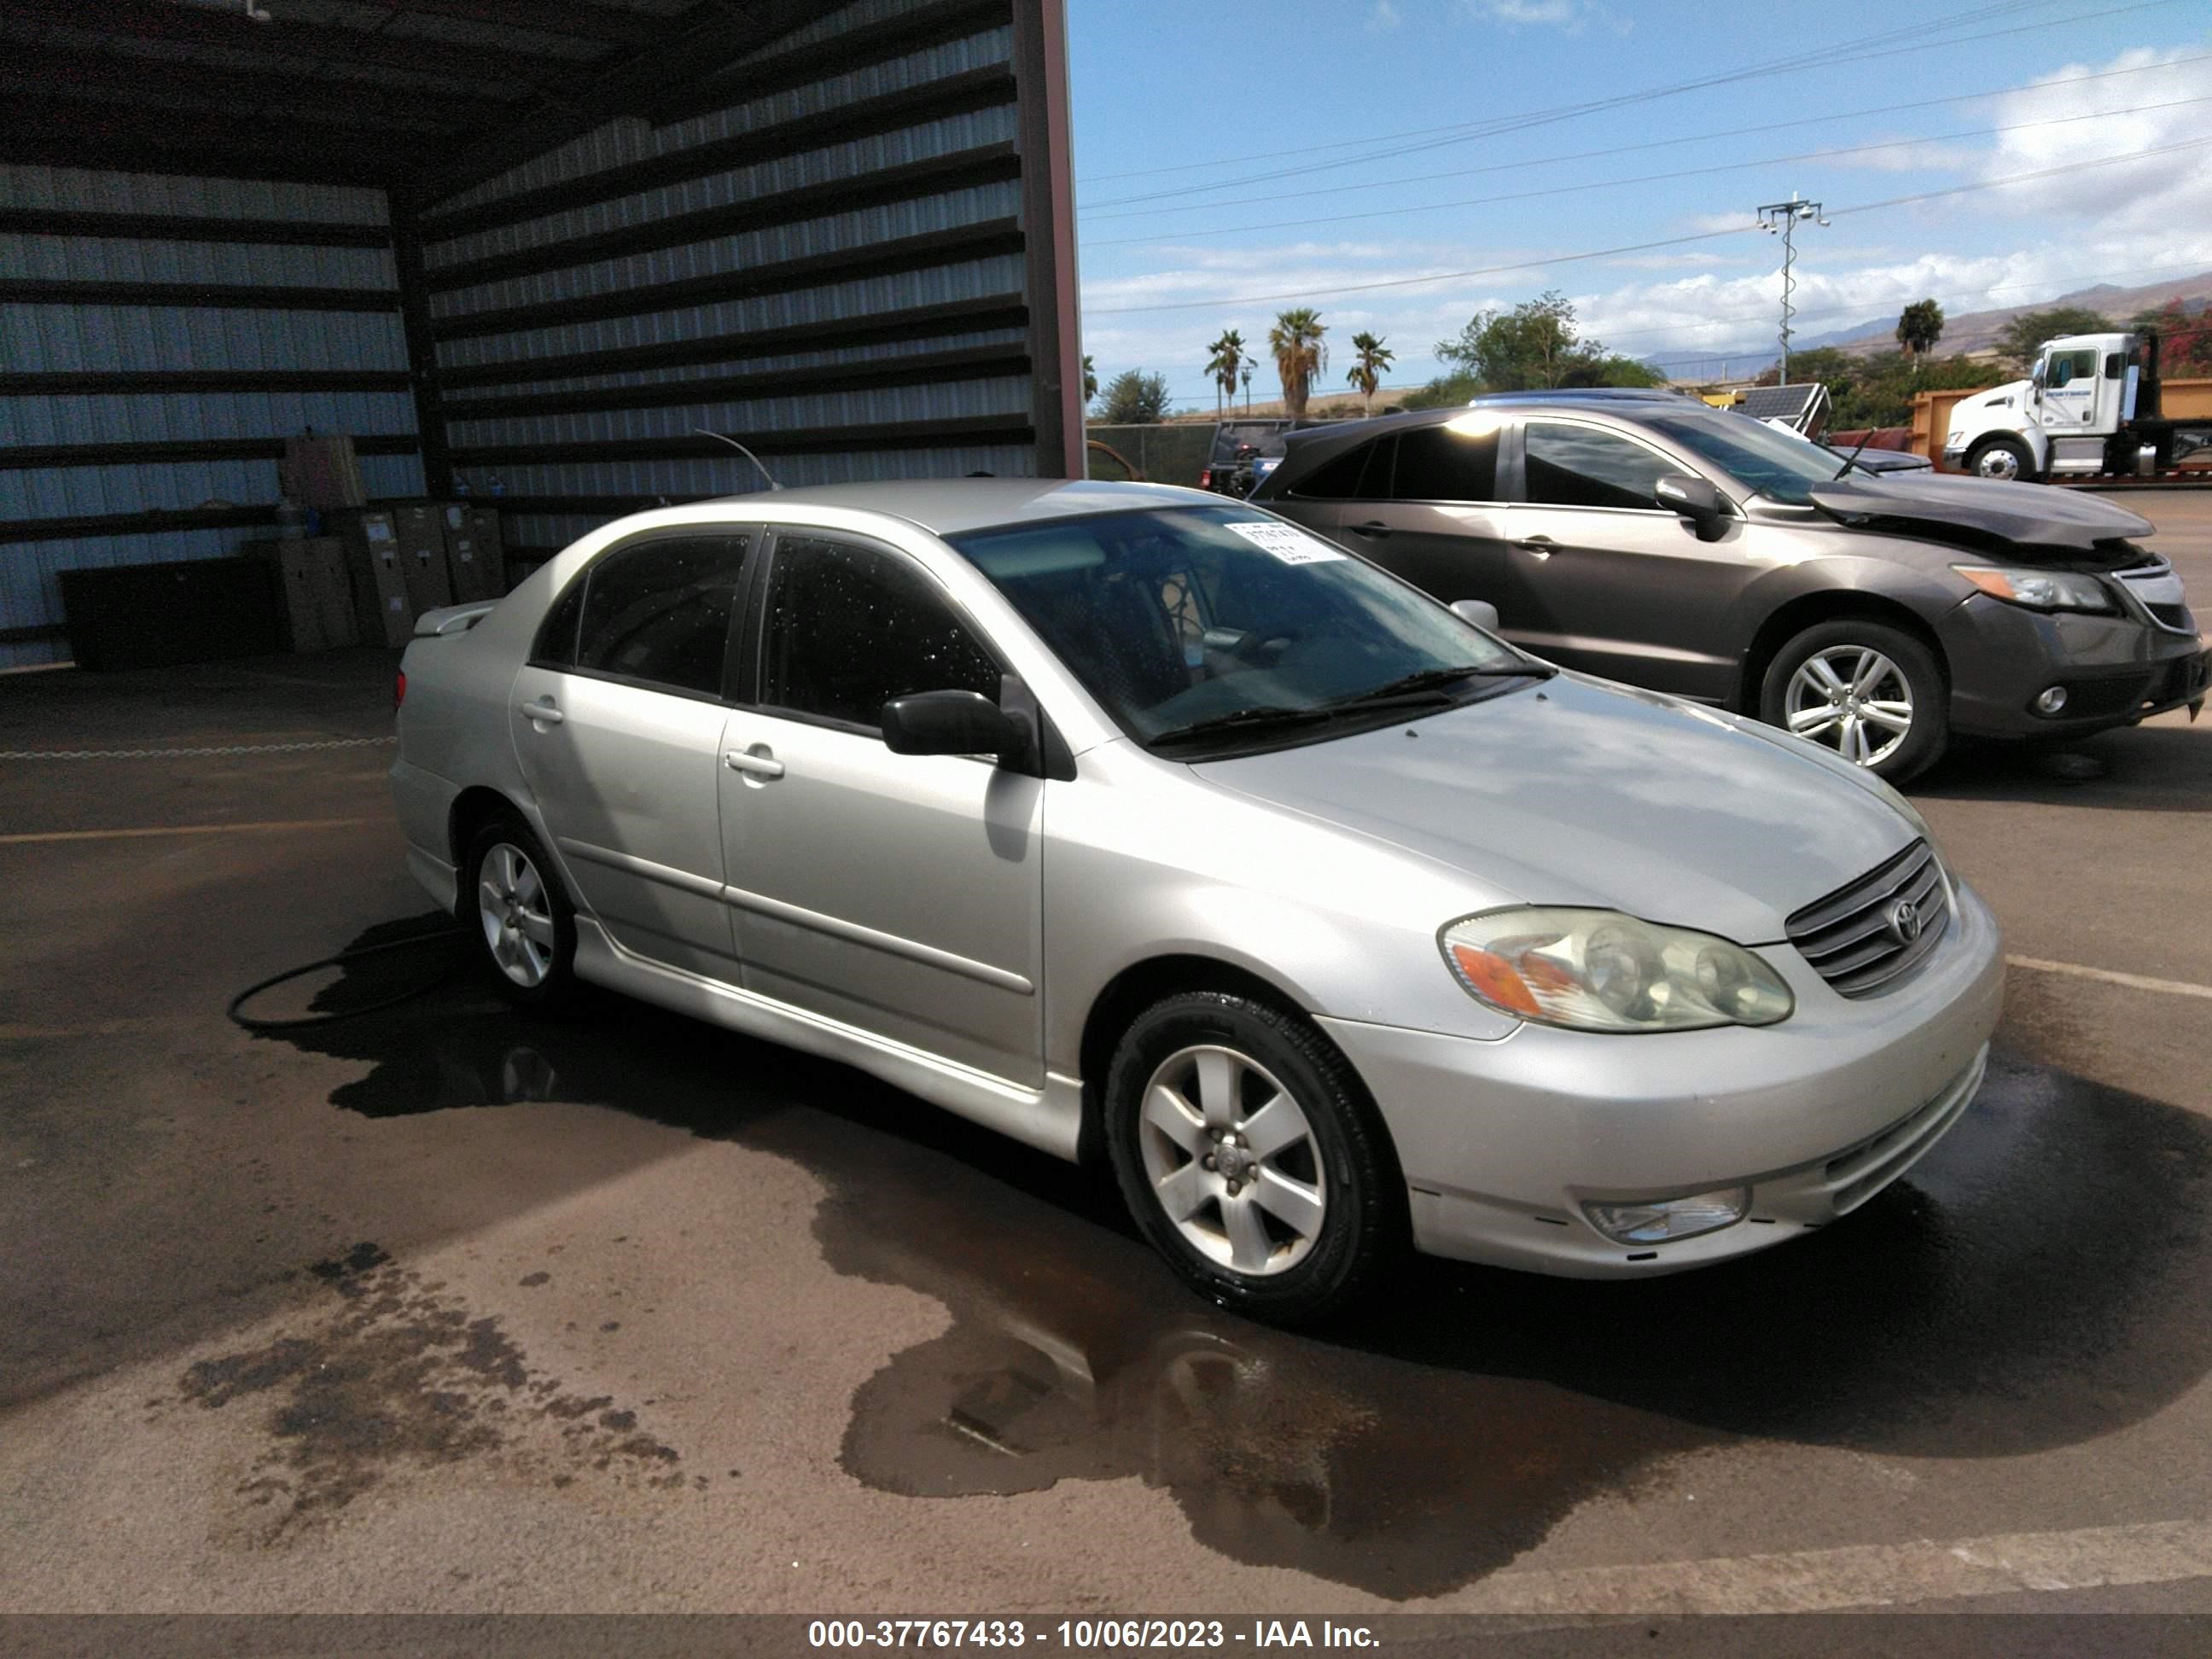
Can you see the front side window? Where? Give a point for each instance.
(1185, 619)
(657, 610)
(1361, 474)
(1766, 459)
(2067, 367)
(1569, 464)
(850, 627)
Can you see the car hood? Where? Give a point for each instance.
(1584, 792)
(2022, 521)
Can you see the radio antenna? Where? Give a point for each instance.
(743, 451)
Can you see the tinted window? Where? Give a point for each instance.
(659, 611)
(1441, 464)
(1585, 466)
(556, 636)
(849, 629)
(1362, 473)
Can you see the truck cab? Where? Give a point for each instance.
(2090, 406)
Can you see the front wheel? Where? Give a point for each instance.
(1250, 1157)
(2006, 459)
(1871, 692)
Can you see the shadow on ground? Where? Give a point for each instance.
(2036, 1283)
(2164, 768)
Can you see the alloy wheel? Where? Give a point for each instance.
(1232, 1160)
(516, 914)
(1998, 463)
(1852, 699)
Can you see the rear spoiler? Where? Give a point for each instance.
(452, 618)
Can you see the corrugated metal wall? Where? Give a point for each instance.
(163, 335)
(829, 264)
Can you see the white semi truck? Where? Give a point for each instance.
(2091, 407)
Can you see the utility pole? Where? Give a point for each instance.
(1248, 387)
(1780, 219)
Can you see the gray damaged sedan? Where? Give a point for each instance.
(1142, 826)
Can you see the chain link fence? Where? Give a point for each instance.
(1172, 454)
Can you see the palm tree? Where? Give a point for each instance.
(1089, 380)
(1919, 326)
(1366, 372)
(1295, 341)
(1227, 357)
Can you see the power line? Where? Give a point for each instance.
(1825, 56)
(1639, 247)
(1461, 130)
(1641, 179)
(1611, 150)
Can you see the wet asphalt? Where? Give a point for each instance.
(444, 1308)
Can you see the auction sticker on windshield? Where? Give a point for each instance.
(1286, 542)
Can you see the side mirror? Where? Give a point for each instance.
(1480, 612)
(950, 723)
(1695, 499)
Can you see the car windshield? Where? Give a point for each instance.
(1779, 467)
(1217, 617)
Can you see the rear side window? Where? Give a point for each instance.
(661, 612)
(1362, 473)
(557, 636)
(1574, 466)
(850, 627)
(1438, 464)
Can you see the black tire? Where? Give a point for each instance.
(1924, 741)
(1348, 1157)
(2023, 458)
(557, 984)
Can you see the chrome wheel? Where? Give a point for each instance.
(1232, 1160)
(516, 914)
(1999, 462)
(1853, 700)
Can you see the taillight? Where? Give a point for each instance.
(399, 691)
(1206, 478)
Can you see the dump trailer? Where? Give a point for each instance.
(2090, 409)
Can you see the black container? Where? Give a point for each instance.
(149, 616)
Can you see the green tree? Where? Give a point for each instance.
(2021, 338)
(1865, 392)
(1134, 397)
(1536, 345)
(1089, 381)
(1919, 326)
(1224, 360)
(1295, 342)
(1367, 367)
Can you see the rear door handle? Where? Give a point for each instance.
(758, 766)
(542, 711)
(1542, 546)
(1374, 528)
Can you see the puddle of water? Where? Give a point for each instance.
(2037, 1282)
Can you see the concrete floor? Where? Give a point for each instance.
(445, 1308)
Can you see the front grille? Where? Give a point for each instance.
(1851, 937)
(2087, 699)
(2175, 617)
(2153, 585)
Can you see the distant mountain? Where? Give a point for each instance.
(1968, 332)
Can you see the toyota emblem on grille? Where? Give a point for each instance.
(1905, 922)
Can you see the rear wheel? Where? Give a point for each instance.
(1870, 691)
(523, 925)
(1250, 1157)
(2004, 459)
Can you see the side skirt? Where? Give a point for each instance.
(1050, 1118)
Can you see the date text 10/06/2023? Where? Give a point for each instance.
(1086, 1635)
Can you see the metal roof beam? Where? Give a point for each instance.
(616, 26)
(312, 100)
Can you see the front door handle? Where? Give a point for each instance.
(758, 766)
(1542, 546)
(1374, 528)
(542, 711)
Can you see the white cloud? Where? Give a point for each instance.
(1383, 18)
(1573, 15)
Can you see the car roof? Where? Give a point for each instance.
(951, 506)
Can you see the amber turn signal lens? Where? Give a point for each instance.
(1493, 978)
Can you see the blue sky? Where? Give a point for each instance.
(1228, 155)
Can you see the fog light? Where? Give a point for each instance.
(2051, 701)
(1655, 1221)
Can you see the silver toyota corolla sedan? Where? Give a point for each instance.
(1138, 825)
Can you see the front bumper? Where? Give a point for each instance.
(1502, 1142)
(2117, 670)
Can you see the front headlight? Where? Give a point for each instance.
(1599, 970)
(2039, 590)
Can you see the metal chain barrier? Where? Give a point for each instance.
(159, 754)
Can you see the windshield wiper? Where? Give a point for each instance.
(1852, 459)
(1433, 681)
(1241, 719)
